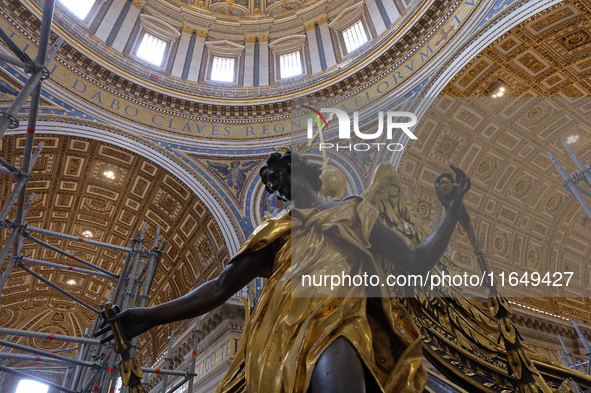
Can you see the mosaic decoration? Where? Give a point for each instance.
(9, 89)
(234, 173)
(231, 174)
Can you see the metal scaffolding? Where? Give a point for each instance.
(571, 182)
(577, 362)
(91, 365)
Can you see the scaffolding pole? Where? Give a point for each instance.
(138, 279)
(32, 358)
(49, 336)
(168, 361)
(178, 385)
(110, 377)
(2, 363)
(79, 239)
(65, 267)
(43, 353)
(196, 333)
(569, 356)
(57, 288)
(570, 182)
(104, 370)
(167, 372)
(78, 369)
(29, 376)
(131, 277)
(124, 271)
(582, 338)
(133, 282)
(585, 169)
(44, 368)
(70, 255)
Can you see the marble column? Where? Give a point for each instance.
(376, 16)
(263, 61)
(313, 47)
(127, 26)
(390, 9)
(249, 61)
(327, 45)
(181, 53)
(109, 20)
(257, 57)
(195, 61)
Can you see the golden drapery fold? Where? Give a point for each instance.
(292, 324)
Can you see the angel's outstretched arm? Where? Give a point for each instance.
(239, 272)
(389, 245)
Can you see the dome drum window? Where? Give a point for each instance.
(354, 37)
(154, 42)
(152, 49)
(224, 59)
(288, 57)
(222, 69)
(167, 46)
(290, 65)
(351, 29)
(80, 8)
(83, 10)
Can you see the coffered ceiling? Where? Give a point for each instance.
(74, 196)
(524, 217)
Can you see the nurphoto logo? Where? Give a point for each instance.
(402, 121)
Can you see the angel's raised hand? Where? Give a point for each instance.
(451, 191)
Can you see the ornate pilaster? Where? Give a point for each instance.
(201, 33)
(252, 38)
(309, 26)
(322, 20)
(256, 56)
(139, 4)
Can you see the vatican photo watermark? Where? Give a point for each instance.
(376, 224)
(394, 121)
(443, 279)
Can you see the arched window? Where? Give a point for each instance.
(354, 36)
(152, 49)
(290, 65)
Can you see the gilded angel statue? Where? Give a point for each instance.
(302, 341)
(328, 342)
(311, 340)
